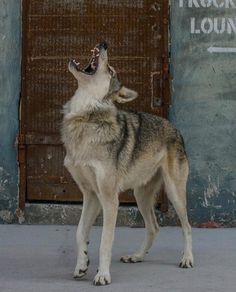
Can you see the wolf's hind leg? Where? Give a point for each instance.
(175, 174)
(145, 197)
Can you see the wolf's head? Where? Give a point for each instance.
(99, 79)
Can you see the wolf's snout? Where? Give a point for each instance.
(103, 45)
(99, 55)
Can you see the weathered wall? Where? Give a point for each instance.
(10, 55)
(204, 105)
(203, 108)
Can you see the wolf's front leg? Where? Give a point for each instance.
(91, 208)
(110, 205)
(90, 211)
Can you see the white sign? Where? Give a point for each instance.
(207, 3)
(208, 25)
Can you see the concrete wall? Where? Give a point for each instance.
(203, 108)
(204, 105)
(10, 55)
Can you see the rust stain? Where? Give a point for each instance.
(210, 224)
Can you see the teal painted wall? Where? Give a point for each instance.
(204, 106)
(10, 57)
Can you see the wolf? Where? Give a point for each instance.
(109, 151)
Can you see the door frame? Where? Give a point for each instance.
(22, 148)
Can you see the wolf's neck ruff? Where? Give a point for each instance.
(107, 114)
(82, 103)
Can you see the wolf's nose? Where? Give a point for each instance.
(103, 45)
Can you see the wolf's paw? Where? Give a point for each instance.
(81, 270)
(186, 262)
(132, 258)
(101, 280)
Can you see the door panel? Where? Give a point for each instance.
(55, 31)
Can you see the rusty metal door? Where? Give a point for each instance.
(55, 31)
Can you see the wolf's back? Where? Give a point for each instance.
(144, 134)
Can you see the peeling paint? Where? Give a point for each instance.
(7, 216)
(20, 215)
(3, 181)
(70, 214)
(212, 190)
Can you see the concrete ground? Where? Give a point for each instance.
(42, 258)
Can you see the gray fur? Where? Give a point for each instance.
(109, 151)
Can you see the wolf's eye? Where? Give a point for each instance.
(111, 71)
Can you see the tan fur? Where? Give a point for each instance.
(108, 151)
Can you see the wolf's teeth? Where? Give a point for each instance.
(76, 63)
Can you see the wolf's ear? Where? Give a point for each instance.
(125, 95)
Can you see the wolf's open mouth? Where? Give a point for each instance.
(92, 66)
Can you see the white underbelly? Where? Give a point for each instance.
(139, 176)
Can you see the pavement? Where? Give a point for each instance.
(42, 258)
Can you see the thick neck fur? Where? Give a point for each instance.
(81, 114)
(83, 102)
